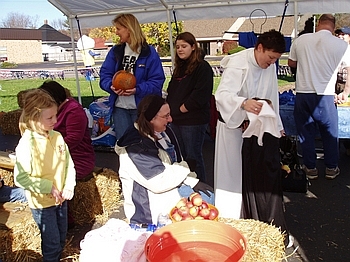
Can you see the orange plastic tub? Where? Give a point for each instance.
(195, 240)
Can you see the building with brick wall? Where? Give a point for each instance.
(19, 45)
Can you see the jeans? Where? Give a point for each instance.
(52, 223)
(186, 191)
(122, 119)
(12, 194)
(191, 139)
(311, 110)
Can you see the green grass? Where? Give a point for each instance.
(10, 88)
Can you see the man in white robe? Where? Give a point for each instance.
(248, 74)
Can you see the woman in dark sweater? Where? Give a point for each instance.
(189, 94)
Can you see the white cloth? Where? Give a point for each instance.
(242, 78)
(228, 171)
(115, 241)
(264, 122)
(317, 66)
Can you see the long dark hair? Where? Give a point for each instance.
(193, 60)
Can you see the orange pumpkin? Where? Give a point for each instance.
(123, 80)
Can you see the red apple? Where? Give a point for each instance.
(183, 211)
(176, 216)
(204, 205)
(213, 213)
(187, 217)
(204, 213)
(194, 211)
(173, 211)
(192, 195)
(182, 203)
(197, 200)
(189, 204)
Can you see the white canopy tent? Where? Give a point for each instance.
(99, 13)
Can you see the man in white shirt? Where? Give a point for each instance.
(317, 56)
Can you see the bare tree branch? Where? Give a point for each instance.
(17, 20)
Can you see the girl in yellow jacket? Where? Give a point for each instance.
(45, 170)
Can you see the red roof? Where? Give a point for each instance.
(100, 43)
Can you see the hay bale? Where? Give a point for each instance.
(97, 198)
(9, 122)
(86, 203)
(20, 239)
(7, 175)
(21, 97)
(265, 243)
(109, 188)
(1, 114)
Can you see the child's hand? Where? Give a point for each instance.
(67, 194)
(57, 195)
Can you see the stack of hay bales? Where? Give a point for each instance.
(9, 121)
(97, 198)
(93, 201)
(265, 243)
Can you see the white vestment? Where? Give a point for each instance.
(242, 78)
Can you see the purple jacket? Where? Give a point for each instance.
(72, 123)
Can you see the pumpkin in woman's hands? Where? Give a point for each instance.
(123, 80)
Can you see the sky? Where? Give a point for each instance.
(42, 8)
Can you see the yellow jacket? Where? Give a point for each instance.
(40, 163)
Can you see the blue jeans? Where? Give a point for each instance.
(191, 139)
(311, 110)
(53, 225)
(186, 191)
(122, 119)
(12, 194)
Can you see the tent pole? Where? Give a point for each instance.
(171, 39)
(75, 59)
(295, 19)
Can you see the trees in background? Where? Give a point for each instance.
(157, 34)
(60, 24)
(17, 20)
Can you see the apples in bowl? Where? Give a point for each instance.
(193, 207)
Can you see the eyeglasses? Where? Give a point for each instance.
(167, 116)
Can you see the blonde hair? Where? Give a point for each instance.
(35, 101)
(130, 22)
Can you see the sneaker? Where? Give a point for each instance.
(311, 173)
(332, 173)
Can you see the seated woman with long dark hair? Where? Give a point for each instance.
(153, 174)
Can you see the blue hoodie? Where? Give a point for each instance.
(148, 71)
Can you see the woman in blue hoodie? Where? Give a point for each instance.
(135, 55)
